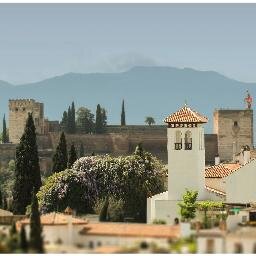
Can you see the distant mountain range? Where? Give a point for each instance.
(147, 91)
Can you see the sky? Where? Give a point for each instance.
(38, 41)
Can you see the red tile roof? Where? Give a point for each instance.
(131, 230)
(221, 170)
(186, 115)
(56, 219)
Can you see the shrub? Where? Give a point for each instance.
(68, 188)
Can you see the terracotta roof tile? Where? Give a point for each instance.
(134, 230)
(186, 115)
(221, 170)
(56, 219)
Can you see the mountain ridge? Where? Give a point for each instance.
(147, 90)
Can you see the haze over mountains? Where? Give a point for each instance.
(147, 91)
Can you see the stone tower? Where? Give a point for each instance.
(186, 153)
(234, 129)
(18, 113)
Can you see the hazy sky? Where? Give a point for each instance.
(38, 41)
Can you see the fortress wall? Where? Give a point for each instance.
(153, 140)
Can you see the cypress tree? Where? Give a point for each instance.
(4, 134)
(81, 150)
(73, 118)
(64, 121)
(98, 124)
(69, 122)
(23, 239)
(104, 119)
(27, 169)
(123, 123)
(36, 238)
(60, 158)
(72, 156)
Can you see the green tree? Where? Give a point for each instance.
(27, 169)
(123, 122)
(64, 122)
(72, 156)
(150, 120)
(85, 120)
(188, 206)
(81, 150)
(205, 206)
(98, 124)
(23, 240)
(5, 138)
(104, 118)
(60, 158)
(69, 123)
(73, 118)
(36, 238)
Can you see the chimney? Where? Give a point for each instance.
(217, 159)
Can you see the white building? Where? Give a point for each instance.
(186, 164)
(186, 170)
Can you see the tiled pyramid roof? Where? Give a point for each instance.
(186, 115)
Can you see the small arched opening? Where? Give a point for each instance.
(178, 140)
(188, 140)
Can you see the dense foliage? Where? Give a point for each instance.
(84, 120)
(60, 158)
(27, 170)
(68, 188)
(128, 180)
(6, 182)
(131, 178)
(188, 206)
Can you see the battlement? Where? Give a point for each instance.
(18, 104)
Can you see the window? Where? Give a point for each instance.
(210, 246)
(238, 248)
(188, 140)
(178, 140)
(91, 245)
(235, 123)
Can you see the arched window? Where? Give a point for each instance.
(178, 140)
(188, 140)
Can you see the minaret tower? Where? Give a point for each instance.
(186, 153)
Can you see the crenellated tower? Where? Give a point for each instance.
(18, 113)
